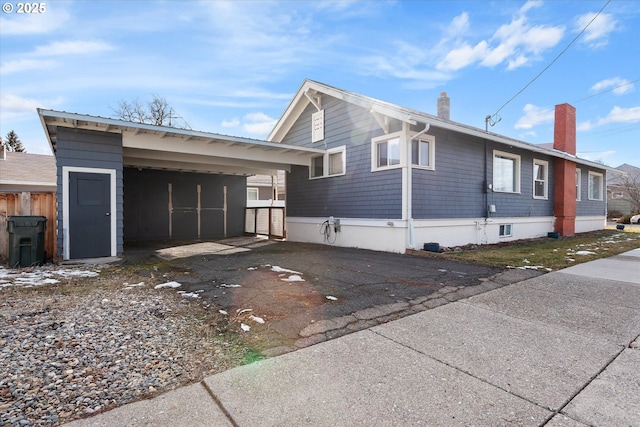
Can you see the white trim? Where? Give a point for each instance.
(545, 164)
(401, 136)
(326, 162)
(601, 190)
(66, 250)
(517, 172)
(431, 140)
(578, 184)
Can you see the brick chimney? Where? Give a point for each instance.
(444, 106)
(564, 185)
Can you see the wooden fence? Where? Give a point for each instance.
(36, 204)
(269, 221)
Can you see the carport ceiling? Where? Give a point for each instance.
(166, 148)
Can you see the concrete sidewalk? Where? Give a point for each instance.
(561, 349)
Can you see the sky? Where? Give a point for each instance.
(232, 67)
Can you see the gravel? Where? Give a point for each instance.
(86, 345)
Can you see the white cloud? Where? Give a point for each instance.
(620, 85)
(13, 106)
(72, 47)
(516, 44)
(258, 124)
(53, 19)
(534, 116)
(231, 123)
(621, 115)
(22, 65)
(596, 34)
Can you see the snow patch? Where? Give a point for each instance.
(585, 253)
(168, 285)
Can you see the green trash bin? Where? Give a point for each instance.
(26, 240)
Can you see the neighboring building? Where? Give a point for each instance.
(21, 172)
(619, 184)
(266, 190)
(396, 178)
(120, 181)
(27, 188)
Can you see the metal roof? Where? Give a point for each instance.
(162, 147)
(300, 102)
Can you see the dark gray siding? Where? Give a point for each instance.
(90, 149)
(463, 168)
(586, 207)
(146, 201)
(359, 193)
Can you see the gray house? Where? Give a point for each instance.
(392, 178)
(120, 181)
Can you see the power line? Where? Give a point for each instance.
(605, 91)
(489, 118)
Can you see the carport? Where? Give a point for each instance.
(121, 181)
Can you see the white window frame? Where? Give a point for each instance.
(502, 230)
(430, 152)
(545, 180)
(342, 150)
(517, 161)
(593, 175)
(578, 184)
(401, 137)
(254, 190)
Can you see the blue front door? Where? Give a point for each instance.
(89, 215)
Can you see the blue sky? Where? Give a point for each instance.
(232, 67)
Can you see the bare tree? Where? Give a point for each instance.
(156, 112)
(630, 184)
(13, 142)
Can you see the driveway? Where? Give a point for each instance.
(288, 295)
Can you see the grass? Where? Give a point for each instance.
(548, 254)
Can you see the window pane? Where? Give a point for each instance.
(424, 153)
(504, 174)
(382, 154)
(317, 166)
(595, 187)
(539, 185)
(335, 163)
(252, 194)
(394, 151)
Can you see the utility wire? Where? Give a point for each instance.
(605, 91)
(552, 62)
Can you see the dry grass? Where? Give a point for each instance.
(547, 254)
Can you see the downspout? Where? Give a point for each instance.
(411, 238)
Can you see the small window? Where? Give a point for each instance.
(505, 230)
(595, 186)
(422, 152)
(506, 172)
(540, 174)
(578, 184)
(317, 167)
(386, 151)
(332, 163)
(252, 194)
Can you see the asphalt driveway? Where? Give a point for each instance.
(291, 295)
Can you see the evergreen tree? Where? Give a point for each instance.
(13, 143)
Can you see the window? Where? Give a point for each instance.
(330, 164)
(317, 166)
(506, 172)
(422, 152)
(252, 194)
(386, 151)
(505, 230)
(540, 174)
(578, 184)
(595, 186)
